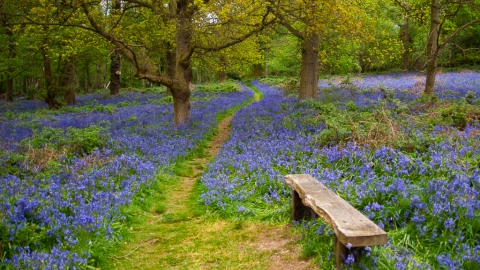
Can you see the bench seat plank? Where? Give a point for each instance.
(349, 225)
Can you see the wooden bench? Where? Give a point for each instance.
(311, 198)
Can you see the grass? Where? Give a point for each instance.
(172, 229)
(188, 238)
(258, 94)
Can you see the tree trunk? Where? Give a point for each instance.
(199, 74)
(50, 96)
(9, 90)
(70, 98)
(66, 84)
(115, 67)
(115, 72)
(171, 62)
(87, 77)
(11, 55)
(266, 63)
(183, 73)
(257, 70)
(222, 75)
(181, 108)
(432, 47)
(406, 38)
(309, 68)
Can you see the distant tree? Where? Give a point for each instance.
(7, 26)
(311, 21)
(411, 11)
(186, 24)
(115, 58)
(439, 37)
(45, 33)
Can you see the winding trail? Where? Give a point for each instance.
(182, 238)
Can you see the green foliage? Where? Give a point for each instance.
(339, 56)
(74, 140)
(108, 108)
(9, 160)
(228, 86)
(87, 139)
(459, 114)
(47, 136)
(284, 56)
(388, 123)
(289, 84)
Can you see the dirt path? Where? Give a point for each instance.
(182, 239)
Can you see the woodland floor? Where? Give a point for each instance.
(182, 238)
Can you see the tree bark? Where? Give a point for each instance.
(406, 38)
(432, 47)
(266, 63)
(171, 62)
(222, 74)
(115, 73)
(309, 67)
(50, 96)
(11, 55)
(9, 90)
(181, 87)
(181, 108)
(87, 77)
(66, 84)
(257, 71)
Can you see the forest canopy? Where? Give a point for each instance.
(52, 49)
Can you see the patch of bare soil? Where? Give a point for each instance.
(284, 249)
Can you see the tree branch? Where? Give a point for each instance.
(143, 70)
(264, 24)
(287, 25)
(452, 35)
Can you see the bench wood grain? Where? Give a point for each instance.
(310, 198)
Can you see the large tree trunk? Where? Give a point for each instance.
(115, 72)
(115, 67)
(171, 62)
(432, 47)
(181, 108)
(183, 73)
(309, 68)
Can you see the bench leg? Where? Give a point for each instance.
(341, 252)
(299, 210)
